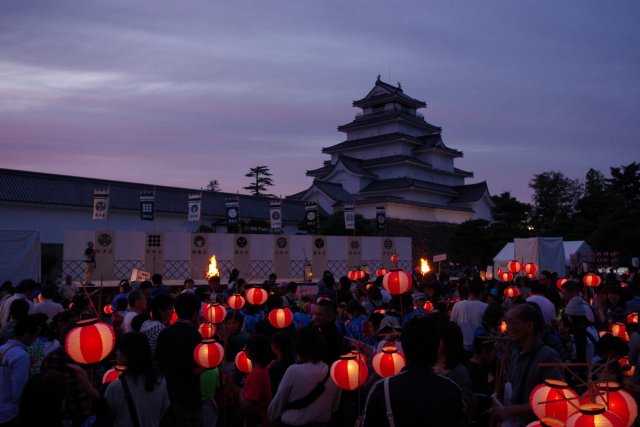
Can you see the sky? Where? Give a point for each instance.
(177, 93)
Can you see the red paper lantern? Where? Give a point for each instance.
(617, 400)
(550, 400)
(359, 356)
(207, 330)
(352, 275)
(280, 317)
(561, 282)
(514, 266)
(395, 258)
(506, 276)
(499, 272)
(90, 341)
(546, 422)
(388, 362)
(627, 369)
(381, 272)
(348, 372)
(619, 330)
(113, 374)
(235, 301)
(174, 318)
(632, 317)
(428, 306)
(591, 280)
(397, 282)
(531, 268)
(594, 415)
(108, 310)
(511, 292)
(243, 363)
(214, 313)
(208, 353)
(256, 295)
(502, 327)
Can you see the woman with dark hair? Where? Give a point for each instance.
(139, 392)
(306, 395)
(451, 358)
(256, 393)
(282, 348)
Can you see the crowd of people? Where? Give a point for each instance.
(472, 354)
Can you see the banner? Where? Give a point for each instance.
(276, 215)
(381, 218)
(195, 206)
(147, 200)
(311, 216)
(233, 211)
(100, 204)
(349, 217)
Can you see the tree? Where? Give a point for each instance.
(554, 200)
(509, 211)
(213, 185)
(625, 185)
(261, 180)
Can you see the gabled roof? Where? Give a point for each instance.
(372, 140)
(399, 158)
(62, 190)
(388, 115)
(384, 92)
(395, 184)
(471, 192)
(401, 201)
(354, 166)
(434, 142)
(333, 190)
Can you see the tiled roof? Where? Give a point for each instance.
(398, 200)
(405, 183)
(355, 166)
(61, 190)
(386, 116)
(334, 190)
(355, 143)
(430, 142)
(470, 193)
(393, 92)
(392, 159)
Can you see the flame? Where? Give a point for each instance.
(424, 266)
(213, 268)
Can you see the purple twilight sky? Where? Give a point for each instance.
(180, 92)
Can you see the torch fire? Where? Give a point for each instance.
(213, 268)
(424, 266)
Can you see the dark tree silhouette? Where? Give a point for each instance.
(261, 180)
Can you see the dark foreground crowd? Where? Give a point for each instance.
(472, 355)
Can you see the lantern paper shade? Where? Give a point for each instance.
(113, 374)
(256, 295)
(619, 401)
(506, 276)
(594, 415)
(348, 372)
(561, 282)
(280, 317)
(243, 363)
(381, 272)
(235, 301)
(207, 330)
(514, 266)
(627, 369)
(554, 393)
(208, 353)
(632, 317)
(388, 362)
(530, 268)
(394, 258)
(214, 313)
(174, 317)
(511, 292)
(90, 341)
(352, 275)
(619, 330)
(397, 282)
(428, 306)
(546, 422)
(108, 310)
(591, 280)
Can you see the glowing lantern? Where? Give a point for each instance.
(108, 310)
(381, 272)
(514, 266)
(506, 276)
(207, 330)
(397, 282)
(550, 400)
(428, 306)
(256, 295)
(546, 422)
(352, 275)
(380, 310)
(632, 317)
(235, 301)
(388, 362)
(40, 297)
(624, 285)
(594, 414)
(348, 372)
(591, 280)
(627, 369)
(530, 275)
(112, 374)
(214, 313)
(502, 327)
(174, 317)
(359, 356)
(499, 272)
(619, 330)
(618, 401)
(511, 292)
(530, 268)
(243, 363)
(395, 258)
(561, 282)
(213, 268)
(280, 317)
(90, 341)
(208, 353)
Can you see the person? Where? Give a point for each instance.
(158, 287)
(149, 396)
(524, 325)
(482, 377)
(324, 320)
(546, 306)
(89, 263)
(137, 304)
(468, 313)
(161, 311)
(47, 389)
(174, 354)
(124, 287)
(256, 393)
(14, 368)
(306, 395)
(416, 395)
(25, 290)
(67, 291)
(18, 310)
(48, 306)
(188, 286)
(282, 348)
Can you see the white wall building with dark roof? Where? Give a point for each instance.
(392, 157)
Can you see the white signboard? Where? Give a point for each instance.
(138, 275)
(441, 257)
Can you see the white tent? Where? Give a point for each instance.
(576, 249)
(548, 253)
